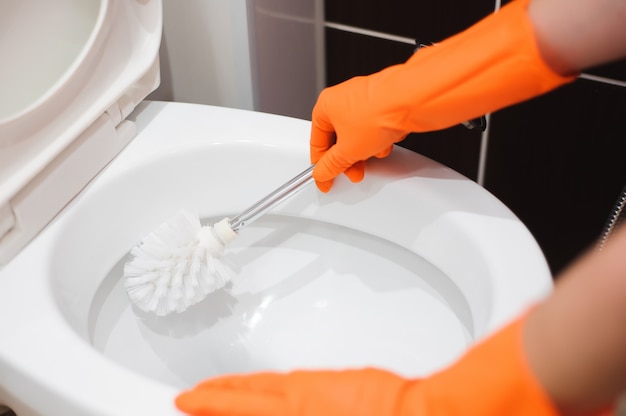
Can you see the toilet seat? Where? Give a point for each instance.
(63, 124)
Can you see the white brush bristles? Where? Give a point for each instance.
(176, 266)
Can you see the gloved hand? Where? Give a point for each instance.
(491, 65)
(492, 379)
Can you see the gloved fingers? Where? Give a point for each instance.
(384, 153)
(209, 401)
(265, 382)
(331, 165)
(356, 172)
(365, 392)
(320, 142)
(324, 186)
(323, 135)
(242, 395)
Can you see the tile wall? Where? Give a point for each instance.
(558, 161)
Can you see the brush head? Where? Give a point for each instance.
(178, 264)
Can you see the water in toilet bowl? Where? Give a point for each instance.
(325, 281)
(307, 294)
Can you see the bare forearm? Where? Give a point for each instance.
(577, 34)
(576, 340)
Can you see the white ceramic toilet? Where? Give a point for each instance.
(402, 271)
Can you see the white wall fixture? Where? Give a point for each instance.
(288, 43)
(205, 53)
(266, 55)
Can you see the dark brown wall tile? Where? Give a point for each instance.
(558, 161)
(424, 20)
(349, 54)
(615, 70)
(456, 147)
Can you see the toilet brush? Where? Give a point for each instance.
(179, 264)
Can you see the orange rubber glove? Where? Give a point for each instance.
(491, 65)
(492, 379)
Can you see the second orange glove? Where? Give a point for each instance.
(492, 379)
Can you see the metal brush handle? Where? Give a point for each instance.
(272, 200)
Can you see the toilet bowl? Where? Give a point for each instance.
(402, 271)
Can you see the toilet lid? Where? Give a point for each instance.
(72, 71)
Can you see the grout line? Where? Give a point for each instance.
(285, 16)
(482, 158)
(320, 48)
(484, 138)
(371, 33)
(603, 79)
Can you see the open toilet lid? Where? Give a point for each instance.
(72, 71)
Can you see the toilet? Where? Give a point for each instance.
(402, 271)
